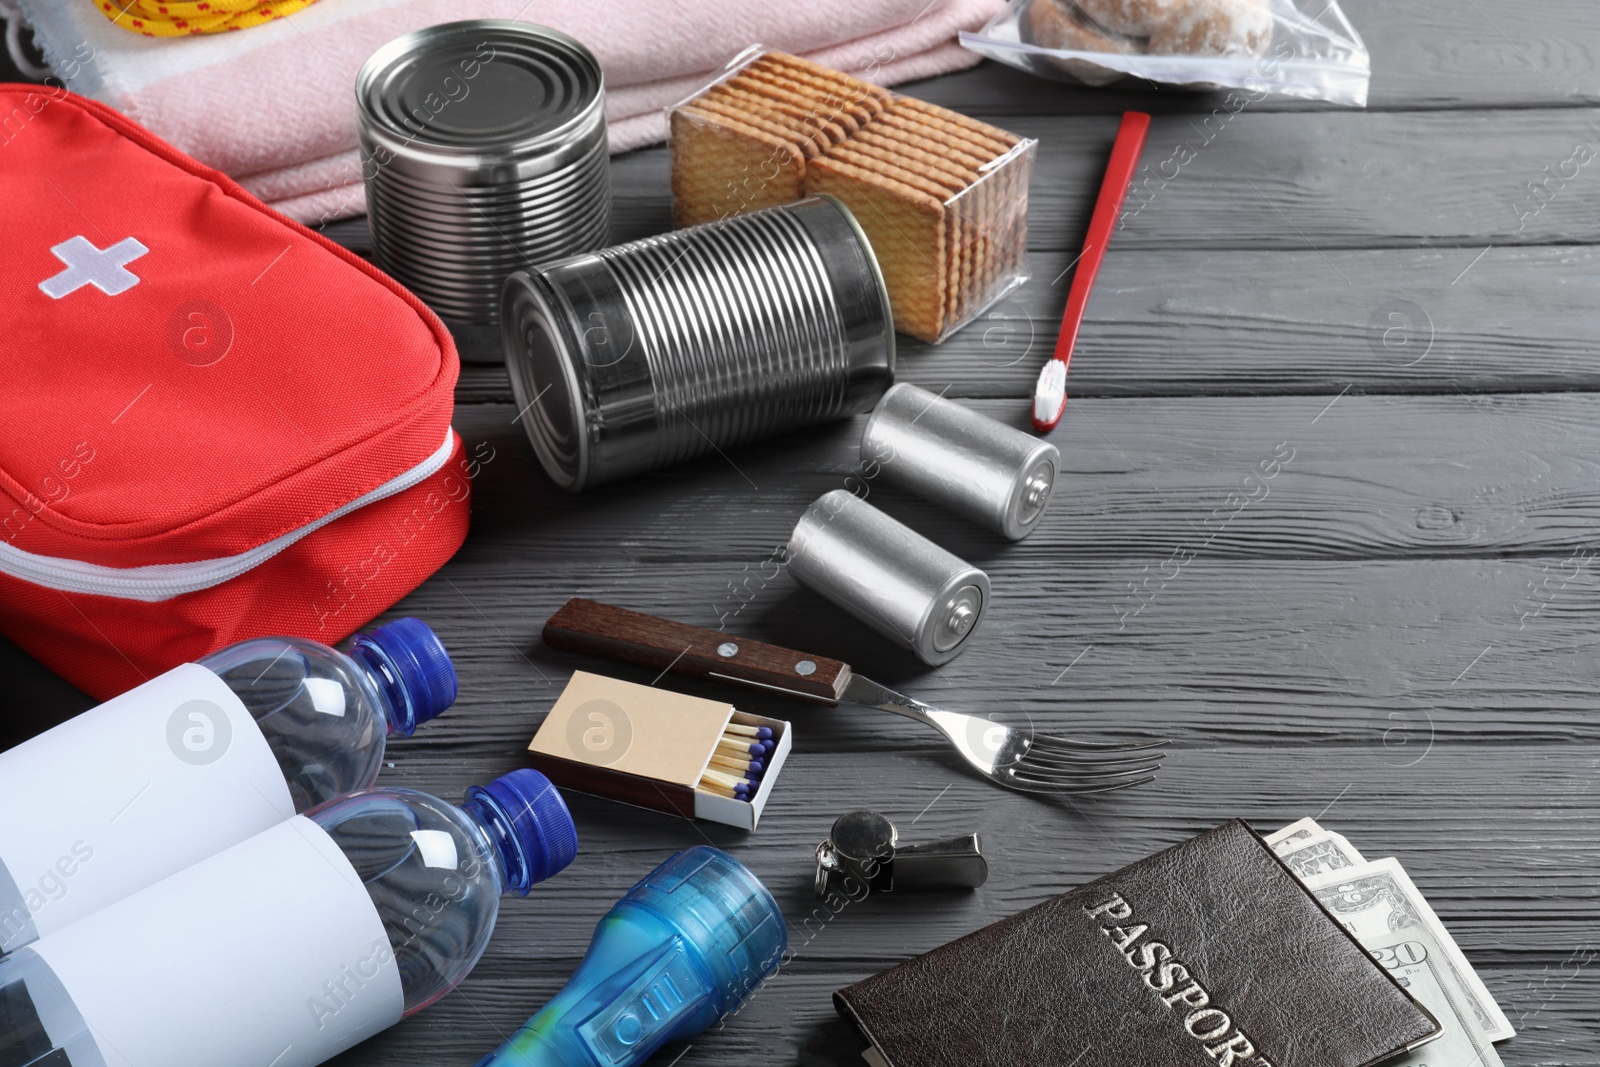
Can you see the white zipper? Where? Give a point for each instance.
(163, 581)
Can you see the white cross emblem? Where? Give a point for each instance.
(87, 265)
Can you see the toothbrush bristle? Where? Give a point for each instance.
(1050, 395)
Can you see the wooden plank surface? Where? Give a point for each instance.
(1396, 630)
(1479, 881)
(1311, 181)
(1352, 477)
(1244, 653)
(1273, 322)
(1287, 180)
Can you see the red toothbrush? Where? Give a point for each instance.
(1050, 394)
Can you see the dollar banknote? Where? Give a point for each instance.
(1415, 960)
(1298, 829)
(1376, 899)
(1316, 854)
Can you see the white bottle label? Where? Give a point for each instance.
(127, 793)
(268, 953)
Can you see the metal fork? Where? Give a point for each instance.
(1015, 758)
(1021, 759)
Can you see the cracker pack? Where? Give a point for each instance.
(942, 197)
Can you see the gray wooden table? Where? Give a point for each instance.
(1398, 638)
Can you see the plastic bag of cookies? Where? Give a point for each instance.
(1261, 46)
(942, 198)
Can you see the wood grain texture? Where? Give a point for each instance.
(1311, 181)
(791, 1020)
(1247, 652)
(1477, 878)
(1395, 632)
(1300, 287)
(1355, 477)
(1539, 966)
(1281, 180)
(1178, 323)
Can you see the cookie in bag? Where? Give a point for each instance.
(1148, 27)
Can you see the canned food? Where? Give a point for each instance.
(483, 150)
(888, 576)
(993, 474)
(650, 353)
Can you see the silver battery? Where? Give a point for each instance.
(483, 150)
(650, 353)
(888, 576)
(995, 475)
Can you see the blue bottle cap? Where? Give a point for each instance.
(537, 826)
(413, 666)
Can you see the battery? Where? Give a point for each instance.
(888, 576)
(995, 475)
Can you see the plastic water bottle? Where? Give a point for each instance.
(685, 947)
(292, 946)
(199, 759)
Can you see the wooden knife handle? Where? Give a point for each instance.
(633, 637)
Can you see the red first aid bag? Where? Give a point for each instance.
(215, 424)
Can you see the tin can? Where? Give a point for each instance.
(483, 150)
(888, 576)
(991, 473)
(651, 353)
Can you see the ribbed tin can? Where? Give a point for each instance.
(483, 150)
(991, 473)
(888, 576)
(650, 353)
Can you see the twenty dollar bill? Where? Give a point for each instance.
(1377, 899)
(1416, 961)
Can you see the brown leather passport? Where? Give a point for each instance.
(1209, 954)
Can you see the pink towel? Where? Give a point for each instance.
(274, 106)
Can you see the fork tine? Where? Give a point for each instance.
(1071, 771)
(1029, 774)
(1049, 772)
(1023, 785)
(1100, 746)
(1069, 759)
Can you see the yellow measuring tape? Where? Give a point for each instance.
(181, 18)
